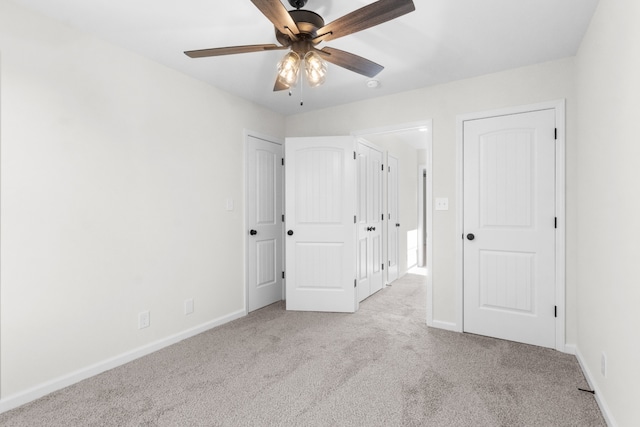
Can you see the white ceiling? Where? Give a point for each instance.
(443, 40)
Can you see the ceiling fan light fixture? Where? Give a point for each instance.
(316, 69)
(288, 69)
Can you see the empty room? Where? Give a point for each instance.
(289, 212)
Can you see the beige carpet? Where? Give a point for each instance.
(379, 367)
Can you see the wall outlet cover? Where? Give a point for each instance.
(144, 319)
(188, 306)
(442, 204)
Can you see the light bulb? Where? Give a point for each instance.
(316, 69)
(288, 69)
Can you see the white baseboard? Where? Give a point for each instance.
(569, 349)
(43, 389)
(606, 413)
(449, 326)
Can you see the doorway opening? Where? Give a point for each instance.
(409, 146)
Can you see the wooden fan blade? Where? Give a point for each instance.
(279, 86)
(363, 18)
(231, 50)
(279, 16)
(350, 61)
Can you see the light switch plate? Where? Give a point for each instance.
(229, 204)
(442, 204)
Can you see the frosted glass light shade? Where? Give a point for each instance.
(315, 68)
(288, 69)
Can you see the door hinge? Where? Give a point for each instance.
(283, 161)
(555, 222)
(555, 311)
(354, 155)
(383, 217)
(354, 283)
(354, 219)
(282, 217)
(388, 168)
(283, 274)
(555, 133)
(382, 167)
(389, 263)
(382, 266)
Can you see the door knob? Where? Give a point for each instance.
(373, 229)
(290, 232)
(253, 232)
(470, 236)
(368, 228)
(397, 225)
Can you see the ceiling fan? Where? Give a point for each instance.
(301, 30)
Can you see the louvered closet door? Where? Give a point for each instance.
(319, 219)
(509, 234)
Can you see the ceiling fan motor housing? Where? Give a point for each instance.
(308, 23)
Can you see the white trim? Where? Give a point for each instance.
(422, 244)
(559, 107)
(428, 124)
(246, 134)
(561, 226)
(430, 267)
(424, 124)
(447, 326)
(45, 388)
(604, 408)
(570, 349)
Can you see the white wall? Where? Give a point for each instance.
(538, 83)
(114, 176)
(608, 83)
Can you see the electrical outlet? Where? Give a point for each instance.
(603, 364)
(188, 306)
(442, 204)
(144, 320)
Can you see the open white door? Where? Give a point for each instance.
(319, 216)
(369, 220)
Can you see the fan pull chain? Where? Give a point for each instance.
(301, 90)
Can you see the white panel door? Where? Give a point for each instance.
(321, 236)
(264, 220)
(509, 231)
(369, 221)
(393, 220)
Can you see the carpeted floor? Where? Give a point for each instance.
(379, 367)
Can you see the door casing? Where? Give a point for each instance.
(559, 107)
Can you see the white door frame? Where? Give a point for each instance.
(246, 134)
(428, 126)
(559, 107)
(422, 173)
